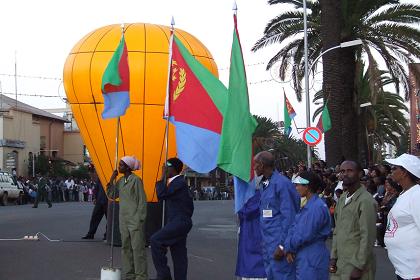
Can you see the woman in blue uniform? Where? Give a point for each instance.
(305, 241)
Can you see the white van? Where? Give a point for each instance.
(8, 188)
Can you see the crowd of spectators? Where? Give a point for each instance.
(377, 181)
(58, 189)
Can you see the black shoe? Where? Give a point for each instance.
(34, 206)
(87, 236)
(49, 206)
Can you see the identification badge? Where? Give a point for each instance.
(267, 213)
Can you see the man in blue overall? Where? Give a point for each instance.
(278, 207)
(179, 208)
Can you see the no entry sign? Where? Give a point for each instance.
(312, 136)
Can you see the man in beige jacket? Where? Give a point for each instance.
(354, 236)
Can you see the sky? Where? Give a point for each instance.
(39, 35)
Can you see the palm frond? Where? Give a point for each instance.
(401, 13)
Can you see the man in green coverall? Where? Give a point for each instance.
(354, 236)
(133, 209)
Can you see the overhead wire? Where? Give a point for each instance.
(61, 80)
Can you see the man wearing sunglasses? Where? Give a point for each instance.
(179, 208)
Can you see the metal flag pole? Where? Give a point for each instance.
(113, 192)
(113, 195)
(167, 107)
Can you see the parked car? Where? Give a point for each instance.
(8, 189)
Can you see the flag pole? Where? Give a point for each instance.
(113, 194)
(116, 167)
(167, 102)
(297, 129)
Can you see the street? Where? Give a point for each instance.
(211, 244)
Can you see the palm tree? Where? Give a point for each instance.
(263, 136)
(386, 28)
(384, 122)
(287, 151)
(288, 27)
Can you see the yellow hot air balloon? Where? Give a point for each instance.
(142, 131)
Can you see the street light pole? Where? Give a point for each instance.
(308, 113)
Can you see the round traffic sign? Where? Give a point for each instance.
(312, 136)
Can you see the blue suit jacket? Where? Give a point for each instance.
(179, 201)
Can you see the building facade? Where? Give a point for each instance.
(26, 131)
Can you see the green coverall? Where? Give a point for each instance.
(133, 208)
(354, 235)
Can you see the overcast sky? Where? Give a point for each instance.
(42, 33)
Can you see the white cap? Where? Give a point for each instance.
(301, 181)
(409, 162)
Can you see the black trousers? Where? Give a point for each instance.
(174, 236)
(42, 194)
(98, 212)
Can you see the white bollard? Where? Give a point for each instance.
(109, 273)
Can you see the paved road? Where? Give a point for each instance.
(211, 244)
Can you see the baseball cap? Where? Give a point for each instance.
(301, 181)
(410, 163)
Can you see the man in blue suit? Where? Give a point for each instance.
(179, 208)
(278, 207)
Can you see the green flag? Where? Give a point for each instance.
(235, 152)
(324, 122)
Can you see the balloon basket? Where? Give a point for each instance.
(109, 273)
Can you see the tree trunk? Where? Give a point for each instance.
(330, 35)
(338, 86)
(349, 122)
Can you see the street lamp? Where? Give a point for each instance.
(368, 147)
(307, 69)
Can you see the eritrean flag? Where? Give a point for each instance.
(197, 102)
(116, 82)
(289, 114)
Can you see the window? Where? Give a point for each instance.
(43, 142)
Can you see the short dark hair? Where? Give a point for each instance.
(315, 182)
(266, 158)
(356, 164)
(176, 163)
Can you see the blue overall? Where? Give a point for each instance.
(178, 211)
(306, 239)
(249, 263)
(278, 207)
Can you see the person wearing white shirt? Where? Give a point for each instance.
(402, 236)
(69, 189)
